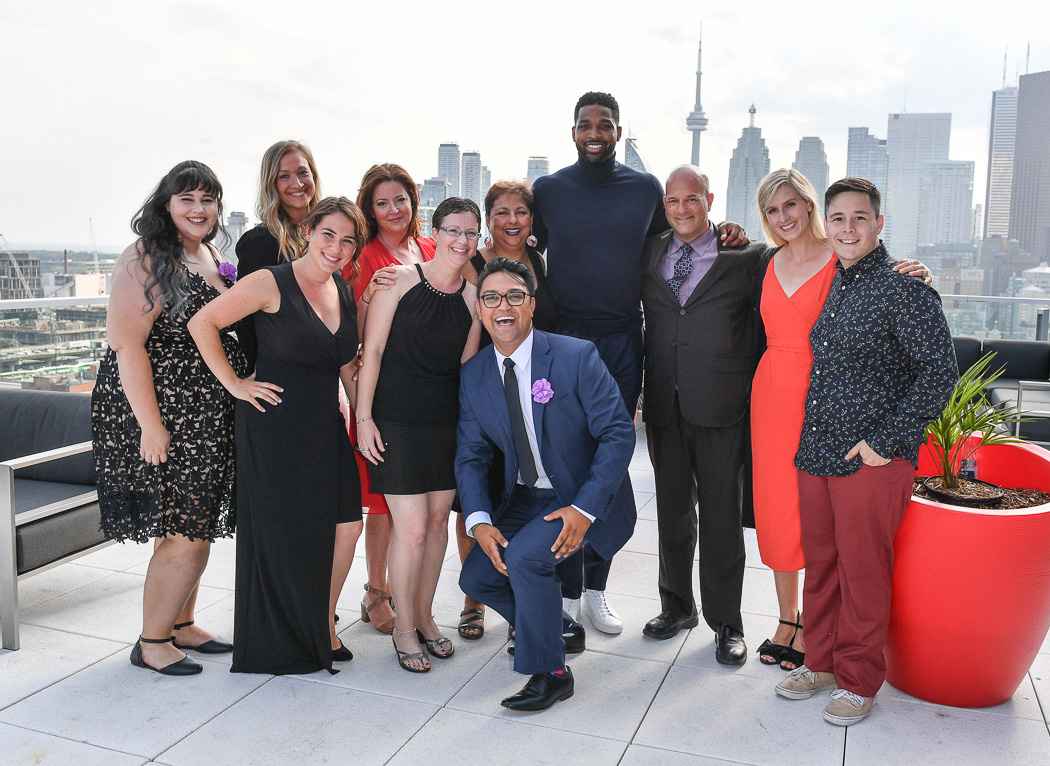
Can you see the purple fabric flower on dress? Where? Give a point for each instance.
(542, 391)
(228, 270)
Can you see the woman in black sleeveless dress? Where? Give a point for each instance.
(298, 493)
(508, 217)
(418, 334)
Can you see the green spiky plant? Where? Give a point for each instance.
(967, 413)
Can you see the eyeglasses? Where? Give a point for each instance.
(455, 232)
(514, 298)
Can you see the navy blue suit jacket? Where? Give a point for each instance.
(585, 436)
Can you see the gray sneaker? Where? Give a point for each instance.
(802, 683)
(846, 708)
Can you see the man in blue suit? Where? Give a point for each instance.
(551, 406)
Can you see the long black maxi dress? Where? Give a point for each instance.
(296, 479)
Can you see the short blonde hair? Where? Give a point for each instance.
(771, 184)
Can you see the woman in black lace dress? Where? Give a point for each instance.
(162, 425)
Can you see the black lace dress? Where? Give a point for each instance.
(192, 493)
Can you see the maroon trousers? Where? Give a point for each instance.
(848, 527)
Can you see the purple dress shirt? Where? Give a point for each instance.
(705, 250)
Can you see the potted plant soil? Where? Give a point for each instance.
(971, 585)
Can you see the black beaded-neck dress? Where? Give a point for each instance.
(296, 479)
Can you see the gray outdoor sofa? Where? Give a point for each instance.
(48, 504)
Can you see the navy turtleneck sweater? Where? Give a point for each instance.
(593, 221)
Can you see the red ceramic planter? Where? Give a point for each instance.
(971, 588)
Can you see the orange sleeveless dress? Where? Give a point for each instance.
(778, 399)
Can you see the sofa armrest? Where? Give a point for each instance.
(8, 553)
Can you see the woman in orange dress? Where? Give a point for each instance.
(795, 278)
(389, 198)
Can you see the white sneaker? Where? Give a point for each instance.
(600, 613)
(571, 607)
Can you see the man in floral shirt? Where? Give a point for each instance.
(883, 368)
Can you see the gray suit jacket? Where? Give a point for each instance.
(706, 349)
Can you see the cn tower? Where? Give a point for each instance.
(696, 122)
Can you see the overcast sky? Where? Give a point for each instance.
(101, 98)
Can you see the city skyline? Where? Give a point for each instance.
(96, 112)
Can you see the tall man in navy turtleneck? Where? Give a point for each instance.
(593, 218)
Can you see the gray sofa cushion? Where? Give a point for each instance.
(31, 494)
(46, 540)
(1038, 429)
(967, 351)
(1023, 359)
(34, 421)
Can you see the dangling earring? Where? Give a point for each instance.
(531, 241)
(488, 241)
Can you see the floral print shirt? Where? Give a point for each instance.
(883, 367)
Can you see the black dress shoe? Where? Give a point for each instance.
(184, 667)
(667, 624)
(575, 640)
(215, 646)
(542, 691)
(342, 654)
(729, 646)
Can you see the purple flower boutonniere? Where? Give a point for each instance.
(228, 270)
(542, 391)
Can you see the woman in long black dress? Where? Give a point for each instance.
(418, 334)
(298, 492)
(162, 425)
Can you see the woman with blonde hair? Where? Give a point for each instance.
(289, 188)
(793, 281)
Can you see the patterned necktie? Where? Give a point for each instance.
(683, 267)
(526, 462)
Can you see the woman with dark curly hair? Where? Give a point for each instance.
(162, 425)
(298, 494)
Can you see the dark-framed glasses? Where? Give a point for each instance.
(493, 300)
(455, 232)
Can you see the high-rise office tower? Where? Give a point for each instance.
(432, 193)
(448, 166)
(1000, 162)
(866, 158)
(633, 157)
(236, 223)
(747, 168)
(911, 140)
(696, 122)
(470, 181)
(946, 203)
(486, 182)
(1030, 194)
(812, 162)
(538, 167)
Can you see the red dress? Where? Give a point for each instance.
(374, 257)
(778, 404)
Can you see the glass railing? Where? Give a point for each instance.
(52, 343)
(56, 343)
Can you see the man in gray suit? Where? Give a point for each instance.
(700, 349)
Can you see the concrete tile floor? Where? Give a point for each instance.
(70, 696)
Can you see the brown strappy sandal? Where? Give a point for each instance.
(367, 606)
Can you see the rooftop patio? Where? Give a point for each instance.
(70, 696)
